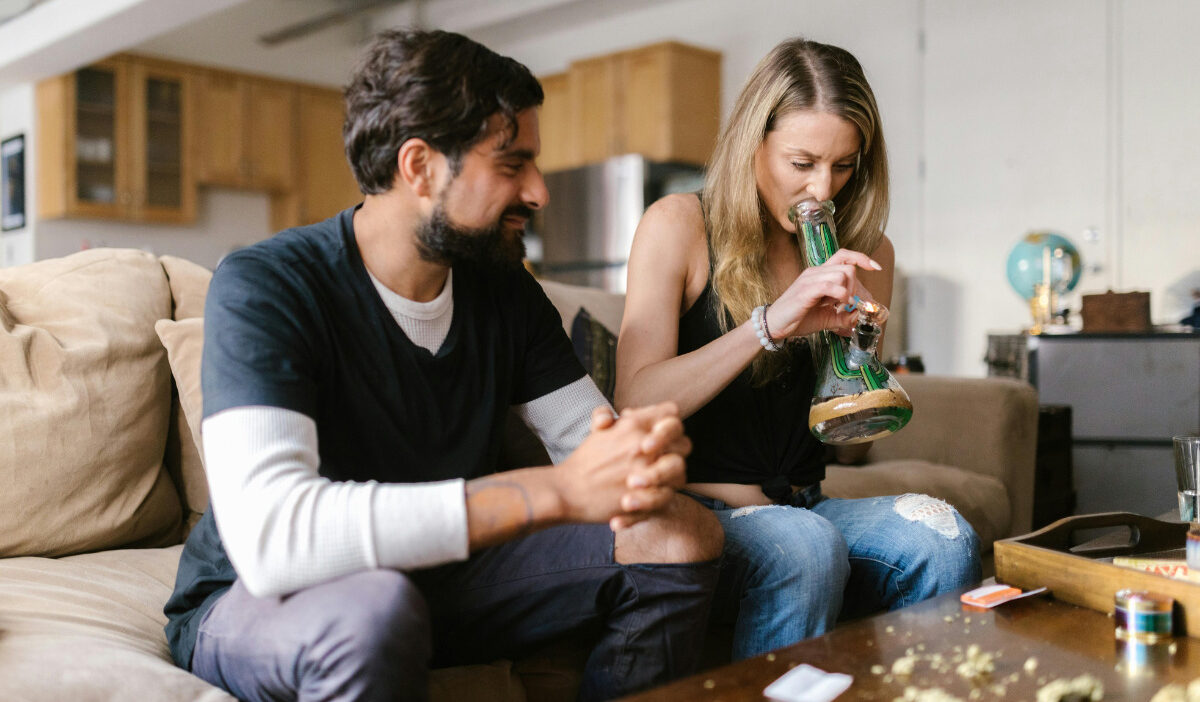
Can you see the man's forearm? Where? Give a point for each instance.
(285, 527)
(509, 505)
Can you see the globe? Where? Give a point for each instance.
(1027, 258)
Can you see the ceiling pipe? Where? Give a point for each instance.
(322, 21)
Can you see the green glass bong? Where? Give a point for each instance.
(856, 399)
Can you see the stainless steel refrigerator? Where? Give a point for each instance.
(584, 234)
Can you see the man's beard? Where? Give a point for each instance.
(440, 241)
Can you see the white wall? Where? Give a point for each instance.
(225, 220)
(1070, 116)
(1015, 140)
(16, 117)
(1159, 157)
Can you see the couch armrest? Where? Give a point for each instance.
(982, 425)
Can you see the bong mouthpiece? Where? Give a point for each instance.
(809, 210)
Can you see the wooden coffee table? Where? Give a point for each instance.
(1065, 640)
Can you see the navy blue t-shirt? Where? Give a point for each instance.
(295, 322)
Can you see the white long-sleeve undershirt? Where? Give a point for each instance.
(285, 527)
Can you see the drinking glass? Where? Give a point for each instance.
(1187, 475)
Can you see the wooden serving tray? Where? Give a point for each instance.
(1084, 574)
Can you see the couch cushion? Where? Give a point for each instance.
(986, 426)
(90, 627)
(494, 682)
(189, 286)
(980, 499)
(184, 341)
(84, 405)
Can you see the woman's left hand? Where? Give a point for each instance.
(821, 297)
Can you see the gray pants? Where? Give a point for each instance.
(374, 635)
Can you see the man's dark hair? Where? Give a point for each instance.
(432, 85)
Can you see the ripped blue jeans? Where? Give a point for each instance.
(790, 571)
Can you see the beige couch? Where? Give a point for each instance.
(100, 477)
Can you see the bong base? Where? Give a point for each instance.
(861, 426)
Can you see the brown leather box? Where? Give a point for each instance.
(1116, 312)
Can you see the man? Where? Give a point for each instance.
(356, 376)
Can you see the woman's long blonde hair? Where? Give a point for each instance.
(796, 75)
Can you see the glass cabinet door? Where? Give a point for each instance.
(97, 101)
(116, 142)
(164, 143)
(164, 188)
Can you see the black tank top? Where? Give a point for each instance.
(748, 434)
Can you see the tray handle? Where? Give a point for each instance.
(1146, 534)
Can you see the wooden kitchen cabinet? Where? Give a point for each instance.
(246, 132)
(661, 101)
(326, 185)
(112, 142)
(132, 138)
(671, 104)
(554, 124)
(596, 107)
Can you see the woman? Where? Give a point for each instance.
(805, 126)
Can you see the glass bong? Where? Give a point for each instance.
(856, 399)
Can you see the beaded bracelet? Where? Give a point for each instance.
(759, 318)
(766, 329)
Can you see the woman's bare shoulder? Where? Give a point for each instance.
(671, 240)
(885, 251)
(675, 219)
(679, 203)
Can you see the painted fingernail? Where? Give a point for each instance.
(875, 265)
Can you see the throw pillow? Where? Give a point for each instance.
(189, 286)
(184, 341)
(596, 348)
(85, 397)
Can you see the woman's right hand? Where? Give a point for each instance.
(819, 297)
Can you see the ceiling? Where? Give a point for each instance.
(41, 38)
(230, 38)
(55, 36)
